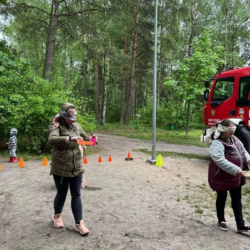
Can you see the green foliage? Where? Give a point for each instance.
(29, 103)
(204, 62)
(87, 122)
(187, 85)
(166, 112)
(101, 34)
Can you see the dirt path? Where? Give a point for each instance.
(121, 143)
(127, 205)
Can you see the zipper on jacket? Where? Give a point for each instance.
(241, 161)
(73, 172)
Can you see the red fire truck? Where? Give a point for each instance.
(228, 98)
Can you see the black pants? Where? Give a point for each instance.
(235, 202)
(62, 185)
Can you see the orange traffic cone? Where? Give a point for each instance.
(128, 158)
(85, 160)
(100, 159)
(110, 158)
(21, 163)
(0, 167)
(45, 163)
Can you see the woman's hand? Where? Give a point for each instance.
(240, 173)
(76, 138)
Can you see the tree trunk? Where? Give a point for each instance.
(85, 80)
(124, 83)
(84, 63)
(187, 118)
(105, 93)
(96, 68)
(84, 74)
(64, 68)
(96, 91)
(132, 87)
(51, 40)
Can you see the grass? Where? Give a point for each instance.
(176, 136)
(202, 200)
(28, 156)
(174, 154)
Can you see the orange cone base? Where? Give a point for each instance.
(129, 158)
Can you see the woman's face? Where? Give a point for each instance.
(228, 135)
(72, 112)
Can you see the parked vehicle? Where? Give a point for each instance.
(228, 98)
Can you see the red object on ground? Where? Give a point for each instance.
(100, 159)
(85, 161)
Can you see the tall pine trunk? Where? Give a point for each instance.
(51, 40)
(124, 83)
(84, 62)
(105, 89)
(132, 85)
(96, 91)
(96, 67)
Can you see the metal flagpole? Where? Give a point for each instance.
(153, 160)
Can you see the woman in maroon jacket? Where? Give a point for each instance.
(229, 159)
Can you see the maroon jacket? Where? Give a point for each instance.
(218, 179)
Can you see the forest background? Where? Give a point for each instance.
(98, 54)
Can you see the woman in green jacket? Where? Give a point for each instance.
(67, 164)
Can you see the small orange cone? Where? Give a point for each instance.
(21, 163)
(45, 163)
(110, 158)
(85, 160)
(128, 158)
(100, 159)
(0, 167)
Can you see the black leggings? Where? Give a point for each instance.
(62, 185)
(235, 203)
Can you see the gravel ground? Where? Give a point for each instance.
(127, 205)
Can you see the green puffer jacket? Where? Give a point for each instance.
(66, 157)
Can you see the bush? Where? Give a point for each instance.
(29, 103)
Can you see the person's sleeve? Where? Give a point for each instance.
(83, 135)
(55, 138)
(245, 152)
(217, 153)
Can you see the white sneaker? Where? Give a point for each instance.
(81, 228)
(58, 222)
